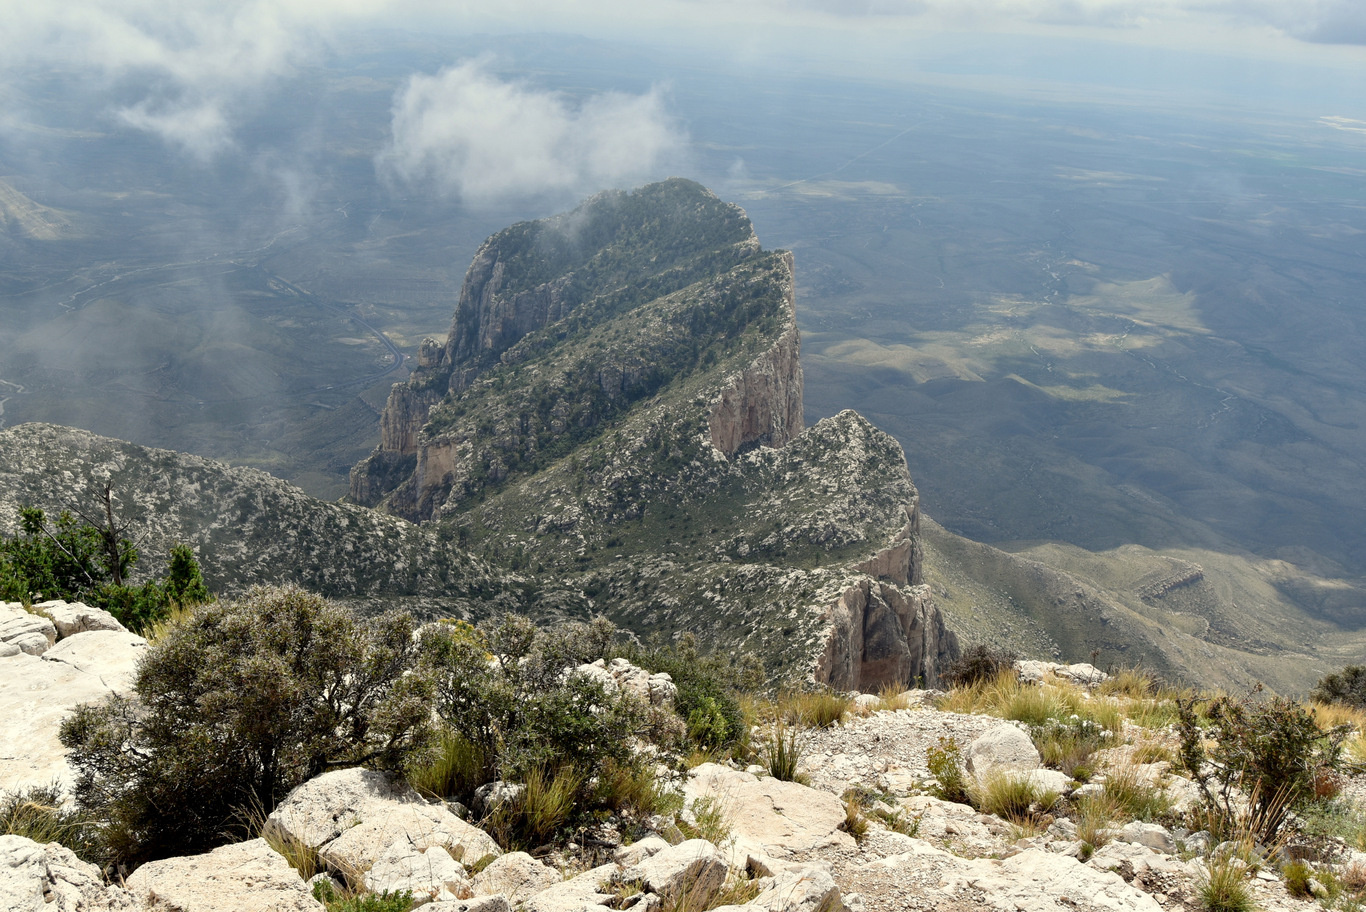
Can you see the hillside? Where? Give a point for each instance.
(618, 406)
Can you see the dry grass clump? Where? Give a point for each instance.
(813, 709)
(1012, 796)
(1131, 792)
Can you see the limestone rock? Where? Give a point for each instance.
(1040, 881)
(429, 873)
(319, 810)
(1156, 837)
(50, 878)
(36, 694)
(1003, 748)
(771, 817)
(247, 875)
(494, 903)
(415, 827)
(880, 633)
(76, 617)
(111, 655)
(636, 852)
(517, 876)
(620, 676)
(690, 873)
(32, 633)
(1080, 673)
(804, 888)
(586, 891)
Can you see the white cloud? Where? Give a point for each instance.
(466, 133)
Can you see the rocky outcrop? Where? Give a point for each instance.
(762, 404)
(247, 875)
(50, 878)
(877, 634)
(38, 692)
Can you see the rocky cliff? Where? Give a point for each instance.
(618, 407)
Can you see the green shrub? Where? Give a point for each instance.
(1271, 749)
(1011, 795)
(945, 762)
(501, 689)
(977, 664)
(545, 805)
(707, 689)
(1347, 686)
(452, 768)
(326, 894)
(1296, 875)
(815, 709)
(234, 707)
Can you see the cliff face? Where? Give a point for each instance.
(618, 408)
(762, 404)
(883, 634)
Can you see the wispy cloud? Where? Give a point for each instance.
(466, 133)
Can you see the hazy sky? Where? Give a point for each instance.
(190, 72)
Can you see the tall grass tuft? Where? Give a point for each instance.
(814, 709)
(783, 752)
(546, 802)
(1012, 796)
(455, 767)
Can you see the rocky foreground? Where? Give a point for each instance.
(865, 833)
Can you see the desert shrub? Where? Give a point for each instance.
(1067, 744)
(502, 690)
(977, 663)
(711, 820)
(945, 762)
(453, 766)
(236, 706)
(1134, 797)
(1296, 875)
(1272, 749)
(1223, 886)
(334, 901)
(545, 805)
(855, 821)
(1346, 686)
(708, 688)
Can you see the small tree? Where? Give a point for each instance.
(236, 706)
(1271, 750)
(1347, 686)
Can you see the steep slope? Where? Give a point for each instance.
(618, 407)
(248, 527)
(1204, 617)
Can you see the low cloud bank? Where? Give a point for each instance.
(466, 133)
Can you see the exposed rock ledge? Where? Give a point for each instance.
(762, 404)
(878, 633)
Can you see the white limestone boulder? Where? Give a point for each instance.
(37, 693)
(517, 876)
(590, 889)
(76, 617)
(1002, 748)
(32, 633)
(1040, 881)
(414, 828)
(803, 888)
(247, 875)
(50, 878)
(771, 817)
(319, 810)
(429, 873)
(689, 874)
